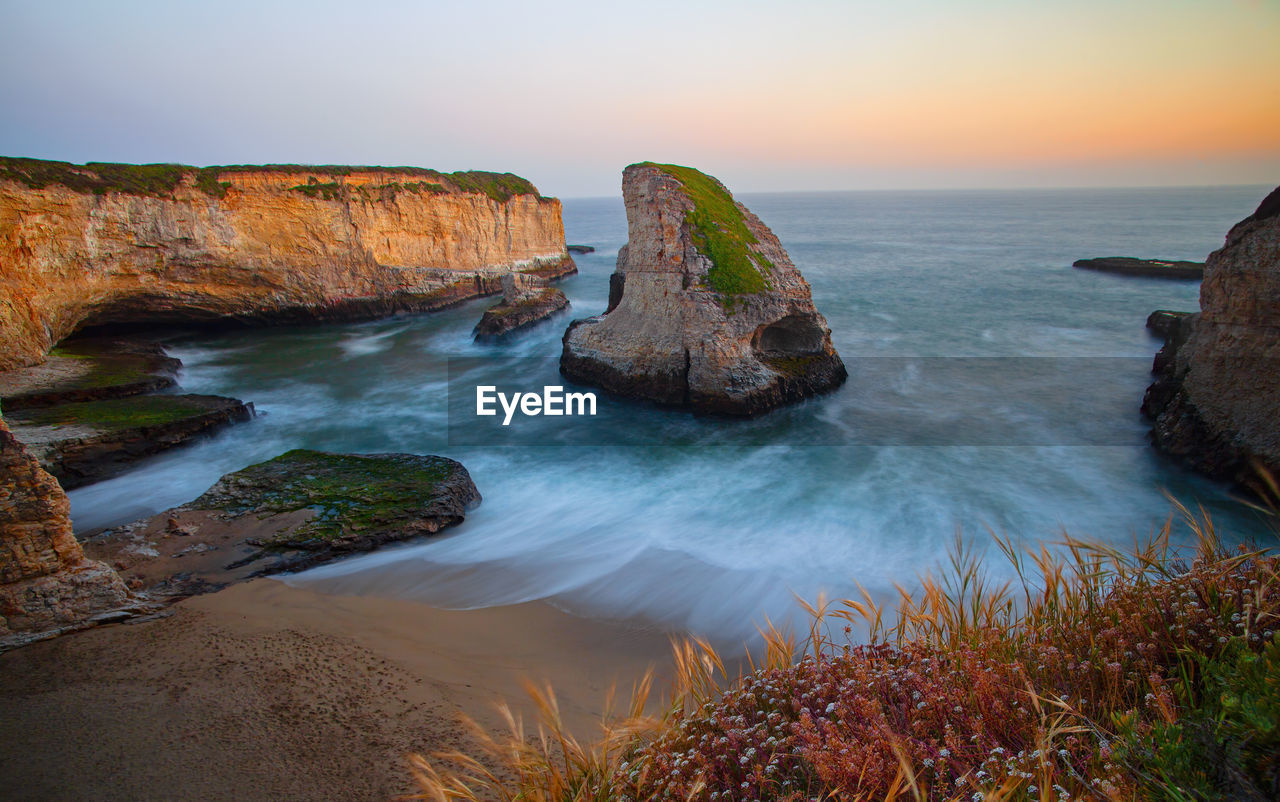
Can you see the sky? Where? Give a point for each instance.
(768, 96)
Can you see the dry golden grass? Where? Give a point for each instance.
(1068, 677)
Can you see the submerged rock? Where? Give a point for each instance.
(46, 583)
(298, 510)
(1149, 268)
(89, 441)
(706, 310)
(1215, 402)
(526, 300)
(580, 248)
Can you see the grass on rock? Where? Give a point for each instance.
(719, 231)
(348, 493)
(161, 180)
(115, 414)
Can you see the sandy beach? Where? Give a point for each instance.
(265, 691)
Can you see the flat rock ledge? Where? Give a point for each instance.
(298, 510)
(706, 311)
(526, 301)
(91, 369)
(1146, 268)
(86, 442)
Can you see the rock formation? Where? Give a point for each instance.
(1216, 399)
(1143, 268)
(45, 581)
(107, 243)
(706, 310)
(298, 510)
(526, 300)
(87, 442)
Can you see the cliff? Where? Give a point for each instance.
(45, 581)
(706, 310)
(102, 244)
(1216, 399)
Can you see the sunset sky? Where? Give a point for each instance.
(802, 95)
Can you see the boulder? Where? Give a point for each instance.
(706, 310)
(298, 510)
(526, 300)
(1215, 402)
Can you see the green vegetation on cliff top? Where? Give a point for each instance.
(159, 180)
(720, 232)
(348, 493)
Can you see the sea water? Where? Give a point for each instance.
(993, 389)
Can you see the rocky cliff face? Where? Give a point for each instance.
(1216, 399)
(706, 310)
(100, 244)
(45, 581)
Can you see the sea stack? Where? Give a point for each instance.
(706, 310)
(1216, 398)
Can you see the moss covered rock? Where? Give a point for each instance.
(706, 310)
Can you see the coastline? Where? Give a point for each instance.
(236, 693)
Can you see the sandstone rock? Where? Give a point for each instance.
(298, 510)
(46, 584)
(706, 310)
(526, 300)
(1147, 268)
(1216, 399)
(103, 244)
(86, 442)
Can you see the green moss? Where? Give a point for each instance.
(107, 370)
(115, 414)
(720, 233)
(348, 493)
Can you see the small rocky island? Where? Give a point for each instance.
(526, 301)
(706, 310)
(1215, 402)
(1145, 268)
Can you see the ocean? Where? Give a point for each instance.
(993, 389)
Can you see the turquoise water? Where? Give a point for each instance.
(992, 388)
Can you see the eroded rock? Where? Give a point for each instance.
(706, 310)
(526, 301)
(301, 509)
(46, 583)
(1215, 402)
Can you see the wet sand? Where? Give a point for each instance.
(265, 691)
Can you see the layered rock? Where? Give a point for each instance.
(1216, 399)
(46, 583)
(106, 244)
(86, 442)
(526, 300)
(706, 310)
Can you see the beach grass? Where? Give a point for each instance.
(1097, 673)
